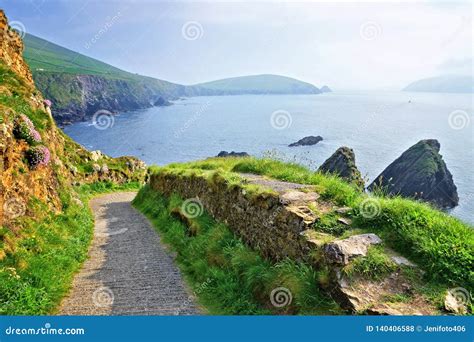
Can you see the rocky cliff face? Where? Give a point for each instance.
(11, 50)
(342, 163)
(78, 97)
(420, 172)
(38, 163)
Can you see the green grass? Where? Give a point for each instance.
(38, 266)
(441, 244)
(227, 276)
(375, 265)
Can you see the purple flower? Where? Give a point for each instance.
(27, 121)
(47, 103)
(25, 129)
(36, 137)
(38, 156)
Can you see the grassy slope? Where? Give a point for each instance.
(55, 69)
(442, 245)
(260, 84)
(42, 54)
(55, 60)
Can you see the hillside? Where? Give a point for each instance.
(79, 86)
(443, 84)
(258, 84)
(44, 221)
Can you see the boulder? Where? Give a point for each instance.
(161, 101)
(104, 169)
(96, 155)
(307, 141)
(232, 154)
(342, 163)
(96, 168)
(343, 251)
(420, 173)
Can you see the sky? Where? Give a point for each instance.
(346, 45)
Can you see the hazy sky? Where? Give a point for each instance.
(346, 45)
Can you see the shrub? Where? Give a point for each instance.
(38, 156)
(25, 129)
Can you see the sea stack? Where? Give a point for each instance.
(342, 163)
(420, 173)
(307, 141)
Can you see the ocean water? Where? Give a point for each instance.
(378, 126)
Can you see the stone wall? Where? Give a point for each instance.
(262, 221)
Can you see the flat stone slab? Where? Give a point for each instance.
(343, 251)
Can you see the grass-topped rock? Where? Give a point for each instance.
(421, 173)
(342, 163)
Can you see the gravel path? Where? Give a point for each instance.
(128, 271)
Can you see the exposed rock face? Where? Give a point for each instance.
(161, 102)
(342, 163)
(11, 50)
(88, 94)
(343, 251)
(326, 89)
(420, 173)
(232, 154)
(307, 141)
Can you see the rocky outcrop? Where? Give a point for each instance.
(79, 97)
(342, 252)
(307, 141)
(342, 163)
(11, 50)
(325, 89)
(232, 154)
(420, 173)
(161, 102)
